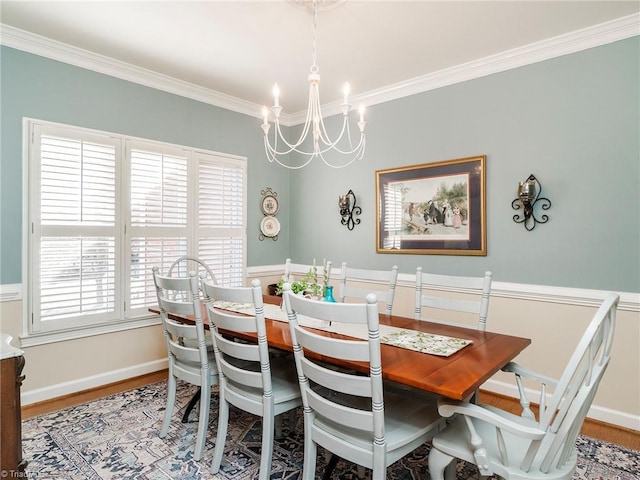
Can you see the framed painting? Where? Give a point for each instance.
(434, 208)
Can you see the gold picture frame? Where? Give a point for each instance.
(433, 208)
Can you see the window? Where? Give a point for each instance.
(104, 209)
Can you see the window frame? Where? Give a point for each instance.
(121, 318)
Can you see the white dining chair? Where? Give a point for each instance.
(357, 283)
(184, 264)
(348, 413)
(189, 358)
(292, 269)
(528, 446)
(453, 300)
(249, 379)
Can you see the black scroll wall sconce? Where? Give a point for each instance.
(528, 195)
(348, 209)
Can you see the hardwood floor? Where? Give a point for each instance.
(591, 428)
(48, 406)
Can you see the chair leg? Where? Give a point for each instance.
(379, 463)
(203, 422)
(377, 474)
(266, 454)
(223, 421)
(441, 465)
(171, 401)
(331, 465)
(309, 463)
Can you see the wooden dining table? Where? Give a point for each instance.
(457, 376)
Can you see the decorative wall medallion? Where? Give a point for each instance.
(270, 205)
(269, 226)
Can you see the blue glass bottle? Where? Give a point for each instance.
(328, 294)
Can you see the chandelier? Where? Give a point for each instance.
(314, 134)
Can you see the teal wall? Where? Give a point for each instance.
(36, 87)
(573, 121)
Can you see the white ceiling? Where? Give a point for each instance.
(241, 48)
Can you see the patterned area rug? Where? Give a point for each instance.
(117, 438)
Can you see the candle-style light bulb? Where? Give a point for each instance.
(361, 110)
(346, 89)
(276, 95)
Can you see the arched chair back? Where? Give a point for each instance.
(189, 358)
(530, 446)
(357, 283)
(448, 298)
(181, 267)
(347, 412)
(249, 380)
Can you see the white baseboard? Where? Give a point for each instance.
(602, 414)
(53, 391)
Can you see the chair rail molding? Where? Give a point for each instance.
(10, 292)
(629, 301)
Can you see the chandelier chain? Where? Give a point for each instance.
(314, 66)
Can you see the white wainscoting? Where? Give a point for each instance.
(629, 302)
(549, 294)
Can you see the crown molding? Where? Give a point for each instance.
(62, 52)
(595, 36)
(602, 34)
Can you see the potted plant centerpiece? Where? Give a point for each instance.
(307, 285)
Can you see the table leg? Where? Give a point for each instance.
(190, 406)
(333, 461)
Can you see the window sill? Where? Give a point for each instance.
(35, 339)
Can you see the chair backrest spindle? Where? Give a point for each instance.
(353, 279)
(467, 295)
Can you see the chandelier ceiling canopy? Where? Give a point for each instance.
(314, 141)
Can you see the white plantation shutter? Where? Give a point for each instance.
(159, 224)
(105, 209)
(221, 218)
(75, 230)
(158, 188)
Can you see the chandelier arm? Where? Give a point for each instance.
(351, 148)
(292, 147)
(274, 148)
(329, 145)
(273, 158)
(325, 136)
(358, 156)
